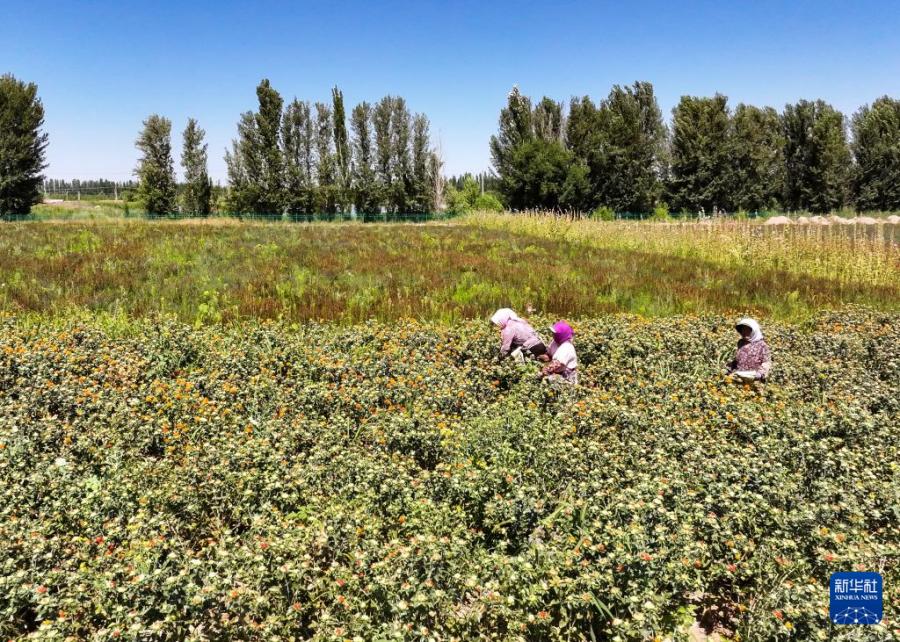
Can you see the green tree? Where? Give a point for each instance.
(700, 173)
(268, 126)
(244, 166)
(402, 193)
(365, 187)
(155, 171)
(326, 170)
(198, 187)
(817, 157)
(757, 160)
(22, 147)
(516, 129)
(342, 151)
(297, 136)
(256, 161)
(538, 174)
(876, 147)
(381, 125)
(548, 120)
(423, 199)
(632, 137)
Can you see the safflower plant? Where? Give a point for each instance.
(260, 481)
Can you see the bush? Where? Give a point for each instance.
(487, 202)
(394, 482)
(603, 213)
(661, 213)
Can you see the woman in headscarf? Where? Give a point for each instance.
(561, 355)
(752, 359)
(516, 335)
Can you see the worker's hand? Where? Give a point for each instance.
(544, 357)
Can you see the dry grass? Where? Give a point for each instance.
(215, 270)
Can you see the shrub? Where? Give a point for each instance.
(487, 202)
(159, 481)
(661, 213)
(603, 213)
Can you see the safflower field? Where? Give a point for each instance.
(172, 471)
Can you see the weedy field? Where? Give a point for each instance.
(392, 481)
(221, 430)
(221, 270)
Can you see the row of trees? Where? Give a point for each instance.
(619, 154)
(156, 172)
(301, 159)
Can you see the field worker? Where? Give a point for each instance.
(752, 360)
(561, 355)
(517, 337)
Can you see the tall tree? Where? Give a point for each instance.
(381, 125)
(297, 136)
(326, 170)
(198, 188)
(401, 170)
(423, 199)
(876, 147)
(628, 162)
(584, 137)
(365, 188)
(817, 157)
(757, 161)
(516, 129)
(22, 146)
(342, 150)
(268, 125)
(245, 169)
(700, 164)
(548, 120)
(156, 171)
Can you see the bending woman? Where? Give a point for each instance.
(517, 334)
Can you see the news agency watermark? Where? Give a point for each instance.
(856, 598)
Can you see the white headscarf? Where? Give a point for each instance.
(503, 316)
(757, 334)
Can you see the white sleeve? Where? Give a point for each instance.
(565, 354)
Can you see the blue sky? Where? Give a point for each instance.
(103, 66)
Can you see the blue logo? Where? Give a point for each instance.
(856, 598)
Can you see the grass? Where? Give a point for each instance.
(88, 209)
(220, 270)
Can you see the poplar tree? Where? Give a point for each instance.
(516, 129)
(155, 171)
(700, 148)
(817, 157)
(342, 150)
(548, 120)
(198, 188)
(268, 127)
(876, 147)
(365, 188)
(756, 158)
(381, 125)
(326, 169)
(22, 147)
(401, 172)
(422, 201)
(297, 136)
(627, 163)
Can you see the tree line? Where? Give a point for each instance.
(302, 160)
(619, 155)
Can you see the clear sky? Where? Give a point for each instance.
(102, 66)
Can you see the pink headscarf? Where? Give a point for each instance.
(562, 332)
